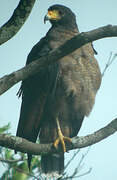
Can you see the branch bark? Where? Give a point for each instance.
(20, 15)
(22, 145)
(76, 42)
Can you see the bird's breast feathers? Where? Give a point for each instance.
(80, 78)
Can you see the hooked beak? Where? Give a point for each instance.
(52, 15)
(46, 18)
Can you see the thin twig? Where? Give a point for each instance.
(84, 174)
(24, 172)
(75, 154)
(109, 62)
(9, 161)
(78, 168)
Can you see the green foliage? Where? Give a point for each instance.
(16, 164)
(4, 128)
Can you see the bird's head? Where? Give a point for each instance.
(60, 15)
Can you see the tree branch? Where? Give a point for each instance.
(20, 15)
(109, 62)
(76, 42)
(26, 173)
(10, 161)
(22, 145)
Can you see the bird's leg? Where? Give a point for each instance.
(61, 138)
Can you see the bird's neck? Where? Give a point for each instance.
(69, 27)
(62, 33)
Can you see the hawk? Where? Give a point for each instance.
(56, 99)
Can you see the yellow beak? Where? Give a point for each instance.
(52, 15)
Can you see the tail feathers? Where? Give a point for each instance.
(52, 165)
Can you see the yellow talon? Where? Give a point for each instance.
(61, 139)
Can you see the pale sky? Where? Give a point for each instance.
(90, 14)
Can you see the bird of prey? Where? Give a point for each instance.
(56, 99)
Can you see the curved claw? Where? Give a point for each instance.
(61, 139)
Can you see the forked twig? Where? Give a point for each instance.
(109, 62)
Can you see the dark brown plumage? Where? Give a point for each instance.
(65, 90)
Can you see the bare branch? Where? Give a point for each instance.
(24, 172)
(84, 174)
(78, 168)
(80, 164)
(71, 159)
(73, 177)
(12, 161)
(109, 62)
(76, 42)
(22, 145)
(20, 15)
